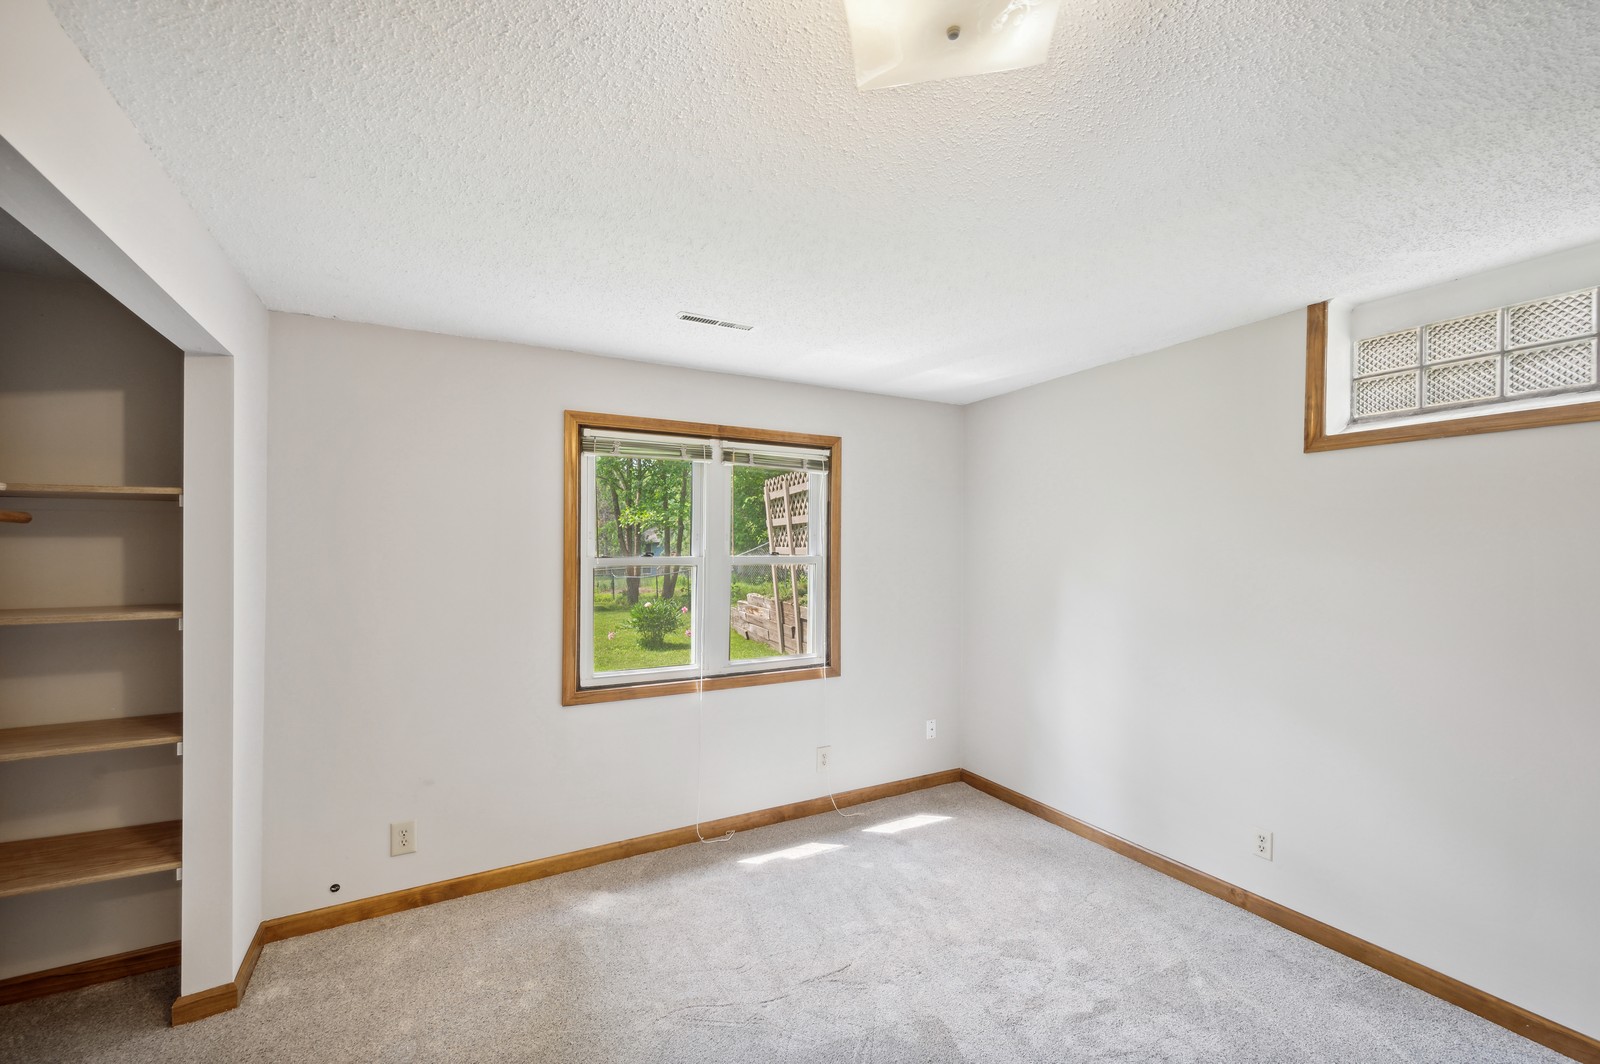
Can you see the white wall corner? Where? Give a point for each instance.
(75, 171)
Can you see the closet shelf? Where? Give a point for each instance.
(32, 865)
(87, 491)
(86, 614)
(89, 736)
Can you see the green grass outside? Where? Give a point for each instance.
(623, 651)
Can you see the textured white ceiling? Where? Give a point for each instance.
(573, 174)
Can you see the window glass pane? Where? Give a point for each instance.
(642, 507)
(770, 615)
(771, 511)
(643, 617)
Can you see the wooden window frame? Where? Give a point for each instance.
(573, 693)
(1317, 438)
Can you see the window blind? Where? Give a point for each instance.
(775, 458)
(627, 445)
(689, 449)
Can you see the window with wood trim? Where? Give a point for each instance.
(698, 557)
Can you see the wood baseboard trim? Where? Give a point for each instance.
(1496, 1010)
(199, 1005)
(88, 973)
(306, 923)
(203, 1003)
(247, 965)
(218, 999)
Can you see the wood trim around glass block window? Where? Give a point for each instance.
(1317, 437)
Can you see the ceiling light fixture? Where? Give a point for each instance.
(901, 42)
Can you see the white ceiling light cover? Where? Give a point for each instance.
(901, 42)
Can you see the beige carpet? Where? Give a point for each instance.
(987, 936)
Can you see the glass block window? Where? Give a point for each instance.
(1542, 347)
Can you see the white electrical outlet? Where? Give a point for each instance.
(824, 755)
(402, 838)
(1263, 845)
(933, 729)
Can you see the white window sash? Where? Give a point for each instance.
(817, 599)
(589, 563)
(711, 567)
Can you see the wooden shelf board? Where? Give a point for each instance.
(86, 614)
(89, 736)
(87, 491)
(32, 865)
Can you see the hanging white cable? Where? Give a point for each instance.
(700, 715)
(827, 773)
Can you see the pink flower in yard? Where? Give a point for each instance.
(688, 631)
(683, 609)
(611, 635)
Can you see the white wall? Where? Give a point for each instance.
(415, 616)
(75, 171)
(89, 394)
(1180, 628)
(210, 835)
(249, 656)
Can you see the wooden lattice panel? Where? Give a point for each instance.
(788, 513)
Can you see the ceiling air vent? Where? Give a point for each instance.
(703, 320)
